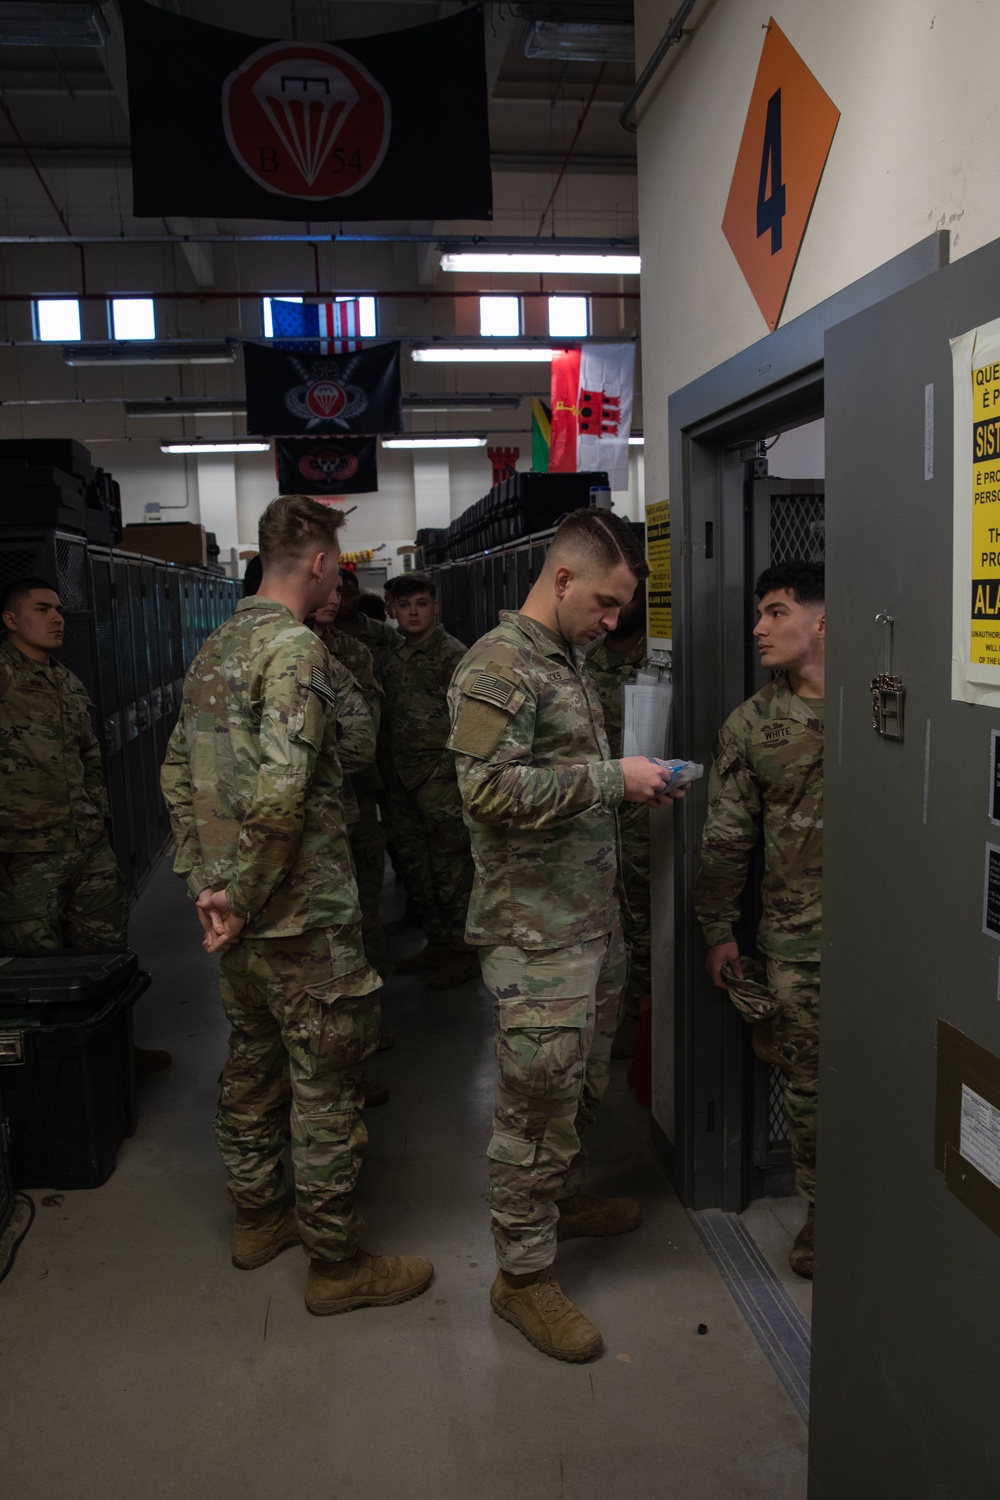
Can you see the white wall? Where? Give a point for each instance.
(916, 149)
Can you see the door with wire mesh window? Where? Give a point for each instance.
(787, 524)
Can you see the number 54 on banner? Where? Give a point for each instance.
(787, 137)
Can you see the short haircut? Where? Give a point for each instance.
(349, 579)
(803, 580)
(372, 606)
(292, 526)
(15, 593)
(405, 585)
(604, 539)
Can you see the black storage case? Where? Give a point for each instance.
(66, 1064)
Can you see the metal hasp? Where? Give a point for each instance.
(888, 692)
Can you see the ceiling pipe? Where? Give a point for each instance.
(673, 34)
(446, 242)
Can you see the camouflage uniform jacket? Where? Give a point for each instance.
(382, 639)
(253, 779)
(767, 776)
(354, 655)
(539, 788)
(54, 799)
(416, 684)
(610, 673)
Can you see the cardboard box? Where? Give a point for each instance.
(172, 541)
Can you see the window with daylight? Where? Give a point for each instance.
(367, 312)
(569, 317)
(500, 317)
(57, 320)
(132, 318)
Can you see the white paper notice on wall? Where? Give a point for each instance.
(979, 1142)
(645, 718)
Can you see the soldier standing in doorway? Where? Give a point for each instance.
(767, 780)
(541, 793)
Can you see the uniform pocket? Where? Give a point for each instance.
(540, 1047)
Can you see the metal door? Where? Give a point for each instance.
(906, 1319)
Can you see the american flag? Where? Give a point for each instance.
(323, 327)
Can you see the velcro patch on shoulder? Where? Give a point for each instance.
(491, 686)
(322, 686)
(479, 728)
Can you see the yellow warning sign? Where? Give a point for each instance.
(661, 612)
(976, 555)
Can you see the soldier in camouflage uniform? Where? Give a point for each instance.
(613, 661)
(767, 780)
(434, 842)
(60, 886)
(253, 781)
(541, 793)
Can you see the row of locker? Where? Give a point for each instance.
(473, 590)
(133, 626)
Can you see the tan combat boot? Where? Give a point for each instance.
(596, 1218)
(260, 1234)
(800, 1256)
(366, 1280)
(458, 968)
(538, 1308)
(428, 957)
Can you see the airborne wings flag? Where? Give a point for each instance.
(326, 466)
(292, 393)
(225, 125)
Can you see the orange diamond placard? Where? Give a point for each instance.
(787, 137)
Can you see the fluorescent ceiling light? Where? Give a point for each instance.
(495, 263)
(156, 352)
(580, 41)
(434, 442)
(66, 23)
(436, 354)
(230, 445)
(636, 440)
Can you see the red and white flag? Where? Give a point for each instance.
(592, 410)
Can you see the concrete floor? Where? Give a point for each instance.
(136, 1363)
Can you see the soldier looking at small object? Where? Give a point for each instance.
(254, 784)
(431, 838)
(59, 879)
(541, 795)
(767, 781)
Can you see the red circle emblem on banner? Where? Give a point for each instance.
(306, 120)
(325, 398)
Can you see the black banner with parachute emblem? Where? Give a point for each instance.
(225, 125)
(326, 466)
(292, 393)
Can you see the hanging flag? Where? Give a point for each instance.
(592, 410)
(290, 392)
(323, 327)
(326, 466)
(541, 436)
(565, 394)
(225, 125)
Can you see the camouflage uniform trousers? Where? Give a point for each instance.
(304, 1016)
(405, 834)
(633, 824)
(368, 852)
(67, 900)
(796, 1028)
(448, 856)
(555, 1015)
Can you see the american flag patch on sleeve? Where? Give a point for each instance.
(492, 689)
(322, 686)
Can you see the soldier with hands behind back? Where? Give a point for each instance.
(254, 785)
(541, 795)
(767, 781)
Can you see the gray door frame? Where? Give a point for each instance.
(776, 383)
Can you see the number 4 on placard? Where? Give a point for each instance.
(771, 206)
